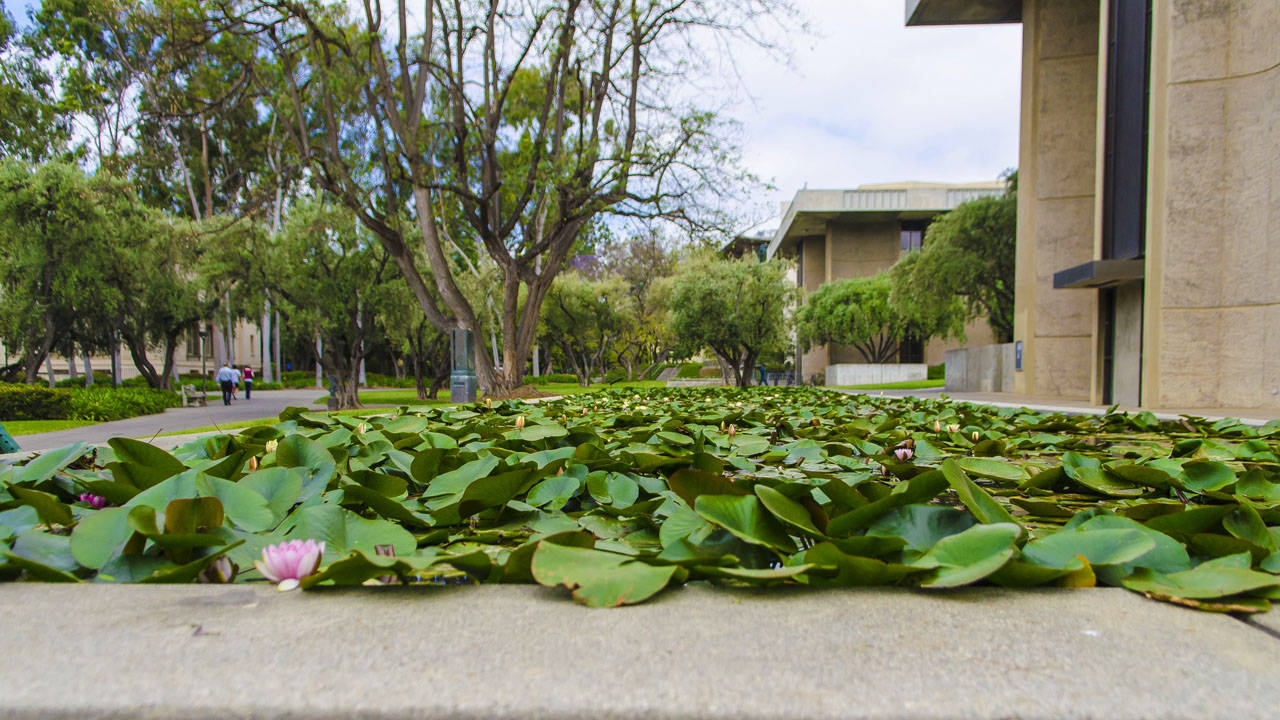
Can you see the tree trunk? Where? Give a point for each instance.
(138, 352)
(88, 369)
(48, 369)
(72, 372)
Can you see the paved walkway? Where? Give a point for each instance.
(265, 403)
(507, 651)
(1253, 416)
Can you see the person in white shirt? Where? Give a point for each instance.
(226, 379)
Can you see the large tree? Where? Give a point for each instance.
(530, 118)
(969, 256)
(737, 308)
(33, 124)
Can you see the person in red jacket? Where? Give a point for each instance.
(248, 382)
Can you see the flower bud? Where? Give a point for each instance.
(733, 429)
(253, 463)
(937, 426)
(953, 428)
(220, 572)
(519, 422)
(272, 445)
(975, 436)
(903, 454)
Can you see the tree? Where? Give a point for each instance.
(57, 252)
(642, 262)
(583, 319)
(332, 277)
(33, 125)
(969, 255)
(412, 336)
(735, 307)
(532, 118)
(855, 312)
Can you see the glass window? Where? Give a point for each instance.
(913, 234)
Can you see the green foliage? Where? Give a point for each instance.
(583, 319)
(855, 312)
(32, 402)
(689, 370)
(965, 269)
(938, 372)
(98, 403)
(737, 308)
(618, 494)
(551, 378)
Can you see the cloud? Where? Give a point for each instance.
(867, 99)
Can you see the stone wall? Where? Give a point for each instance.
(1212, 335)
(989, 368)
(1056, 189)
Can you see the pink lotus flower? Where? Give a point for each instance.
(289, 562)
(97, 502)
(903, 454)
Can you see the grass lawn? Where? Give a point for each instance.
(31, 427)
(908, 385)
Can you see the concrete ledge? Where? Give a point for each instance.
(875, 373)
(696, 382)
(194, 652)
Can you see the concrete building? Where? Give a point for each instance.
(839, 234)
(1148, 267)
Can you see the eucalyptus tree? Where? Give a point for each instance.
(33, 124)
(532, 118)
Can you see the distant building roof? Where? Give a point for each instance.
(810, 210)
(963, 12)
(754, 238)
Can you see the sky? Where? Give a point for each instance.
(865, 99)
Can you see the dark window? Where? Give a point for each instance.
(910, 350)
(913, 234)
(1125, 172)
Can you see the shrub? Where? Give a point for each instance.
(938, 372)
(33, 402)
(105, 403)
(551, 378)
(615, 375)
(380, 380)
(713, 372)
(690, 370)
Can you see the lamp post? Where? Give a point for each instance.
(462, 380)
(204, 372)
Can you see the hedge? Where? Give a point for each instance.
(689, 371)
(35, 402)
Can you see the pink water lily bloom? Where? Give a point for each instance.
(903, 454)
(288, 562)
(97, 502)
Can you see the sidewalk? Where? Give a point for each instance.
(528, 652)
(1251, 416)
(265, 403)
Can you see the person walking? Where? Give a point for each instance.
(226, 379)
(247, 374)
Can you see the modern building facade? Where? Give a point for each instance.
(839, 234)
(1148, 268)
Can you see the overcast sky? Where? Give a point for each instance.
(868, 100)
